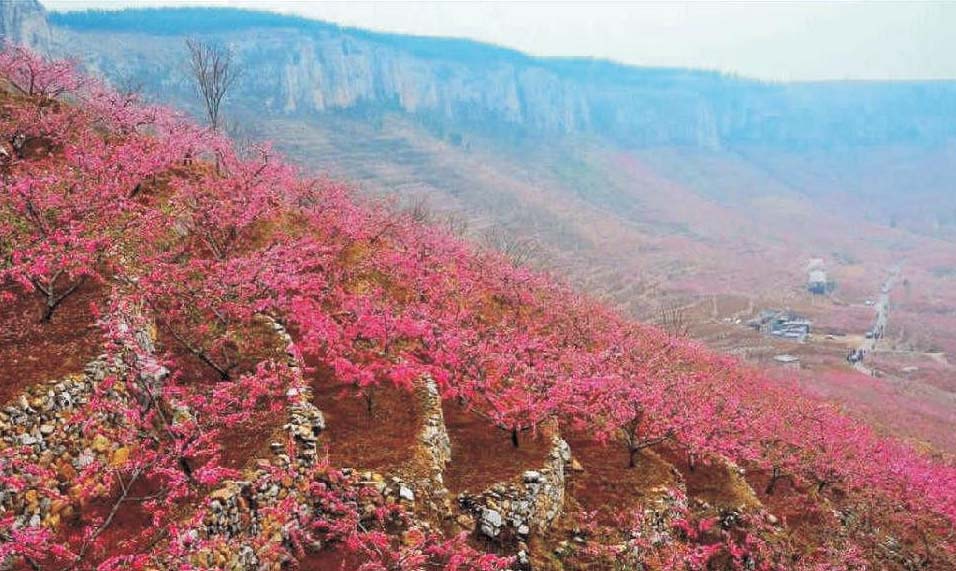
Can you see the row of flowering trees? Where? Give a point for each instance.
(208, 245)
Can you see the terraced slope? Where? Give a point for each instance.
(293, 377)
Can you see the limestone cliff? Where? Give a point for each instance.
(294, 66)
(24, 22)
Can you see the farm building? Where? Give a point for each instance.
(782, 324)
(817, 282)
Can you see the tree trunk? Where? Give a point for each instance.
(632, 457)
(774, 476)
(53, 301)
(186, 467)
(223, 373)
(514, 437)
(48, 310)
(199, 353)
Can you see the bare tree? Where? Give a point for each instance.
(419, 209)
(456, 223)
(520, 250)
(215, 74)
(244, 139)
(130, 85)
(673, 319)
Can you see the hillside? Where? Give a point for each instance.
(720, 234)
(768, 175)
(232, 365)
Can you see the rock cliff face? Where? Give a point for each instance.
(309, 68)
(295, 66)
(335, 71)
(24, 22)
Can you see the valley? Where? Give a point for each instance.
(634, 253)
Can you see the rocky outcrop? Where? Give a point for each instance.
(433, 438)
(50, 451)
(294, 66)
(24, 22)
(306, 421)
(512, 510)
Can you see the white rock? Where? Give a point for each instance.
(490, 522)
(319, 421)
(85, 458)
(406, 493)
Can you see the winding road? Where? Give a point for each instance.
(873, 336)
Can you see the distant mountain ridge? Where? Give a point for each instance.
(297, 66)
(367, 106)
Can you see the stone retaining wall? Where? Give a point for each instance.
(306, 421)
(253, 515)
(234, 511)
(42, 451)
(510, 511)
(434, 437)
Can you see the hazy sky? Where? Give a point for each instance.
(773, 40)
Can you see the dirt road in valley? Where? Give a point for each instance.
(876, 333)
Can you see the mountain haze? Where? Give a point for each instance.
(24, 22)
(302, 67)
(627, 177)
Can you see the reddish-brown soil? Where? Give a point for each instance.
(807, 518)
(32, 352)
(607, 485)
(482, 455)
(329, 560)
(353, 438)
(712, 482)
(126, 532)
(184, 362)
(129, 530)
(258, 342)
(243, 444)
